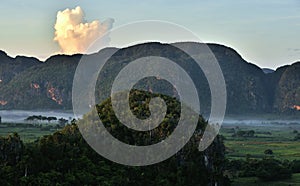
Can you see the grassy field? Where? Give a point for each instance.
(253, 181)
(280, 139)
(27, 133)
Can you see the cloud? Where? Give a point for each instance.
(74, 34)
(294, 49)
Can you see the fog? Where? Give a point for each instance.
(259, 122)
(15, 116)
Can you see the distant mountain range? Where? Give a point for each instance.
(267, 70)
(27, 83)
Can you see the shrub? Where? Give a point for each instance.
(295, 166)
(272, 170)
(268, 152)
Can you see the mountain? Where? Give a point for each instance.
(287, 91)
(46, 85)
(246, 90)
(11, 67)
(30, 84)
(268, 70)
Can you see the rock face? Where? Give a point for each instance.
(287, 92)
(26, 83)
(46, 85)
(246, 90)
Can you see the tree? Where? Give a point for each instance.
(64, 158)
(250, 133)
(295, 131)
(11, 149)
(272, 170)
(241, 133)
(51, 118)
(295, 166)
(268, 152)
(30, 118)
(44, 118)
(62, 121)
(297, 137)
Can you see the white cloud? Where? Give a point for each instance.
(74, 34)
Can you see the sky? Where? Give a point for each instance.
(266, 33)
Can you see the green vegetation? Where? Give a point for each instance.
(253, 181)
(268, 157)
(28, 132)
(40, 118)
(259, 155)
(297, 137)
(250, 90)
(279, 139)
(49, 88)
(33, 127)
(64, 158)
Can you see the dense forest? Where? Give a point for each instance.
(64, 158)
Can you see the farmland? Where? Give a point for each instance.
(279, 138)
(27, 132)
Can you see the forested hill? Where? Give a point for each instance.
(27, 83)
(64, 158)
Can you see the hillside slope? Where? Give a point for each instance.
(27, 83)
